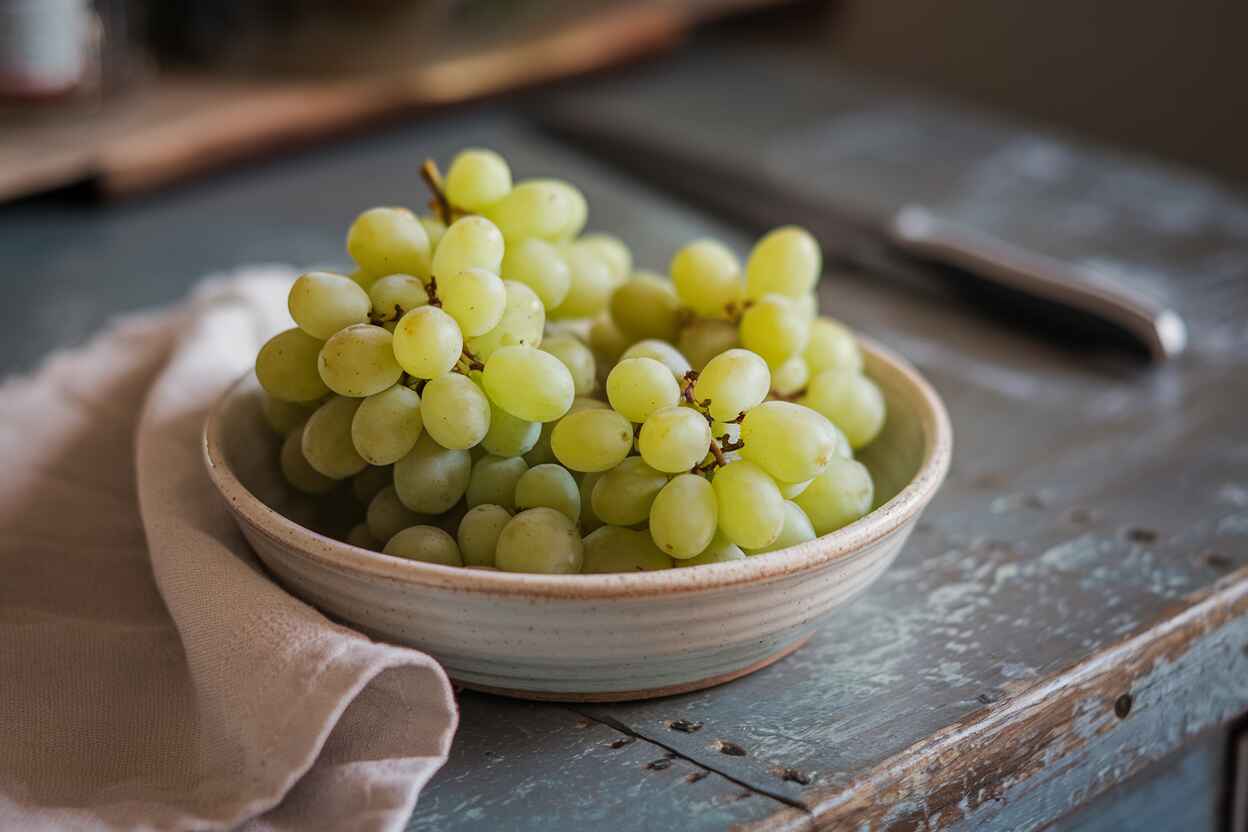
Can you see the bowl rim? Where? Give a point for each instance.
(844, 544)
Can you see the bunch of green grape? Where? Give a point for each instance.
(501, 391)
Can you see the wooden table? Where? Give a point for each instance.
(1072, 611)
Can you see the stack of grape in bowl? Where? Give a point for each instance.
(564, 478)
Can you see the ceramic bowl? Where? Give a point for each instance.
(590, 637)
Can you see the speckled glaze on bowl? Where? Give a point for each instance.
(590, 637)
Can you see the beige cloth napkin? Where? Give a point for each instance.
(151, 675)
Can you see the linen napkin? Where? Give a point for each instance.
(151, 675)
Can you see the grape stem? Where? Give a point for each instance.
(432, 290)
(433, 178)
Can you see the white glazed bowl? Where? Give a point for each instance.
(590, 637)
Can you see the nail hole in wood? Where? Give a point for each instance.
(695, 776)
(621, 742)
(1141, 535)
(684, 726)
(729, 748)
(1122, 706)
(791, 775)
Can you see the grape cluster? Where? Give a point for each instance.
(503, 391)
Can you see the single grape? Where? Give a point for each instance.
(541, 450)
(540, 540)
(592, 440)
(838, 496)
(851, 400)
(734, 382)
(636, 387)
(537, 208)
(361, 537)
(529, 384)
(427, 544)
(431, 479)
(589, 287)
(359, 361)
(387, 425)
(427, 342)
(831, 346)
(509, 436)
(577, 358)
(579, 213)
(773, 328)
(323, 303)
(790, 377)
(493, 481)
(282, 416)
(611, 549)
(797, 529)
(287, 367)
(789, 490)
(387, 516)
(295, 468)
(455, 411)
(589, 518)
(612, 251)
(521, 326)
(674, 439)
(551, 486)
(478, 534)
(623, 495)
(389, 241)
(786, 260)
(475, 298)
(703, 339)
(684, 516)
(789, 441)
(327, 444)
(395, 295)
(368, 483)
(477, 179)
(751, 510)
(471, 242)
(707, 277)
(646, 306)
(538, 264)
(720, 550)
(606, 340)
(662, 352)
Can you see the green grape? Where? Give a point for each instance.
(612, 251)
(387, 516)
(734, 381)
(368, 483)
(387, 425)
(537, 208)
(636, 387)
(611, 549)
(477, 179)
(431, 479)
(327, 444)
(789, 490)
(540, 540)
(592, 440)
(786, 260)
(838, 496)
(674, 439)
(478, 533)
(295, 468)
(522, 323)
(589, 287)
(541, 450)
(427, 342)
(579, 213)
(529, 384)
(606, 340)
(751, 510)
(359, 361)
(286, 367)
(851, 400)
(589, 518)
(493, 481)
(790, 377)
(282, 416)
(363, 278)
(707, 276)
(475, 298)
(394, 295)
(646, 306)
(577, 358)
(720, 550)
(797, 529)
(455, 411)
(662, 352)
(389, 241)
(807, 306)
(831, 346)
(551, 486)
(471, 242)
(509, 436)
(427, 544)
(703, 339)
(684, 516)
(624, 494)
(774, 329)
(361, 537)
(323, 303)
(538, 264)
(435, 228)
(789, 441)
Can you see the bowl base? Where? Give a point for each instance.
(642, 693)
